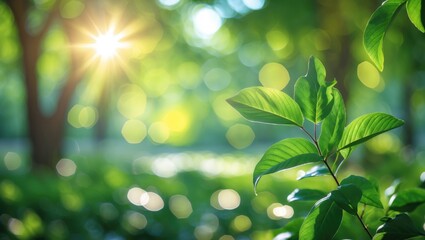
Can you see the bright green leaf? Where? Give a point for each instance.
(305, 195)
(285, 154)
(313, 93)
(400, 227)
(373, 39)
(407, 200)
(347, 197)
(365, 127)
(322, 222)
(267, 105)
(414, 8)
(315, 171)
(290, 231)
(333, 125)
(370, 193)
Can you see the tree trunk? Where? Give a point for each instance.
(45, 132)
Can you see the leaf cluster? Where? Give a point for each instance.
(318, 101)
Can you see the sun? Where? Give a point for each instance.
(107, 44)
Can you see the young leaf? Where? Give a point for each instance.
(313, 93)
(305, 195)
(267, 105)
(322, 222)
(370, 194)
(365, 127)
(414, 8)
(285, 154)
(373, 38)
(347, 197)
(400, 227)
(333, 125)
(315, 172)
(407, 200)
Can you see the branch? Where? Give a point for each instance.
(74, 77)
(313, 139)
(19, 9)
(48, 22)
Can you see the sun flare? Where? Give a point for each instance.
(106, 45)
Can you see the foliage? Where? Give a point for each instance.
(94, 202)
(167, 90)
(319, 102)
(380, 21)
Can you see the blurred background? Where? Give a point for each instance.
(114, 123)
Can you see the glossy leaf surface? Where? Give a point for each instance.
(407, 200)
(322, 222)
(305, 195)
(267, 105)
(315, 171)
(313, 93)
(285, 154)
(333, 125)
(364, 128)
(400, 227)
(376, 27)
(370, 194)
(347, 197)
(290, 231)
(414, 8)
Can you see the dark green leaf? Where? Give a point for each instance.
(364, 128)
(267, 105)
(290, 231)
(376, 27)
(400, 227)
(305, 195)
(285, 154)
(414, 8)
(333, 125)
(370, 193)
(322, 222)
(315, 172)
(407, 200)
(347, 197)
(313, 93)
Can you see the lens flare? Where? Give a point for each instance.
(107, 44)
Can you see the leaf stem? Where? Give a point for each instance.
(337, 183)
(364, 226)
(332, 173)
(363, 210)
(313, 139)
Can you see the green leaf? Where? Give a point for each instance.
(313, 93)
(366, 127)
(305, 195)
(373, 38)
(290, 231)
(267, 105)
(347, 197)
(322, 222)
(407, 200)
(414, 8)
(333, 125)
(285, 154)
(315, 171)
(400, 227)
(370, 193)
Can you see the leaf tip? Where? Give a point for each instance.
(255, 181)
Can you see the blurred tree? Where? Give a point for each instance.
(45, 130)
